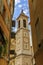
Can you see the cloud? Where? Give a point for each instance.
(17, 1)
(20, 5)
(14, 29)
(24, 0)
(25, 11)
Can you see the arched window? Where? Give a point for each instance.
(19, 24)
(24, 23)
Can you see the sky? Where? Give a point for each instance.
(19, 6)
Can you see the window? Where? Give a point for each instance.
(40, 45)
(19, 24)
(12, 51)
(13, 23)
(12, 35)
(24, 23)
(37, 21)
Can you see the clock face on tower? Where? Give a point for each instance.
(26, 39)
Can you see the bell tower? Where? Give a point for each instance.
(23, 50)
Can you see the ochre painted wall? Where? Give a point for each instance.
(39, 57)
(36, 11)
(3, 61)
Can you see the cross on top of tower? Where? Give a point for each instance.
(22, 11)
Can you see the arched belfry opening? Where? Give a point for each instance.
(24, 23)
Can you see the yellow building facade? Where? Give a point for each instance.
(36, 22)
(6, 13)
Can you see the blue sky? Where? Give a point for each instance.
(19, 5)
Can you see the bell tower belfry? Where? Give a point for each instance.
(22, 20)
(23, 50)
